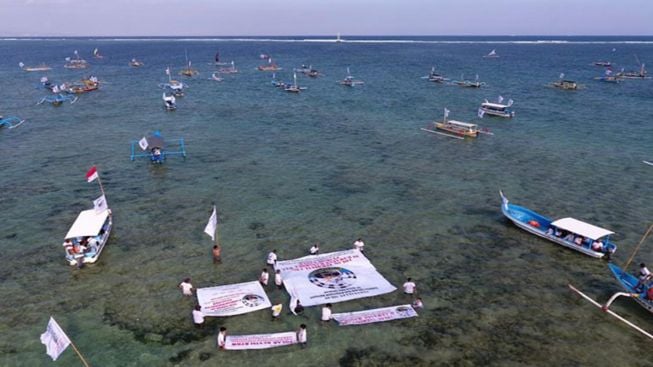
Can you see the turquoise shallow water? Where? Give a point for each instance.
(328, 165)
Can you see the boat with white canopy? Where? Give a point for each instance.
(75, 63)
(456, 129)
(568, 232)
(90, 232)
(40, 67)
(497, 108)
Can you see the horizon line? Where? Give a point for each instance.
(330, 35)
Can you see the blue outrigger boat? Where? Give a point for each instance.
(639, 292)
(568, 232)
(10, 121)
(156, 149)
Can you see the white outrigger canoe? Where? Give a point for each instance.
(87, 237)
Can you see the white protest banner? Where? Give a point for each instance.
(260, 341)
(375, 315)
(232, 299)
(333, 277)
(55, 340)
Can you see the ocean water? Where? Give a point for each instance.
(331, 164)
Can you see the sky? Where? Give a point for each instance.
(25, 18)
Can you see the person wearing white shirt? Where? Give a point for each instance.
(359, 245)
(198, 316)
(277, 279)
(644, 273)
(222, 337)
(409, 286)
(264, 277)
(315, 249)
(186, 287)
(272, 258)
(302, 337)
(326, 313)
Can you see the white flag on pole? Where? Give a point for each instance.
(212, 225)
(55, 340)
(500, 99)
(100, 204)
(446, 113)
(167, 71)
(481, 113)
(143, 142)
(562, 75)
(510, 102)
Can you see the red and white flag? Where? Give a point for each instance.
(92, 174)
(55, 340)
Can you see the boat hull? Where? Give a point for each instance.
(525, 218)
(456, 131)
(504, 114)
(628, 282)
(90, 258)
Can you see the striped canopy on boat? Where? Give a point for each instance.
(581, 228)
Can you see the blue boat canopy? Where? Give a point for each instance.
(581, 228)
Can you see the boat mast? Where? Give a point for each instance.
(99, 181)
(630, 259)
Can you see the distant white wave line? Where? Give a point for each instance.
(333, 40)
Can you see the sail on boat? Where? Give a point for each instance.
(188, 71)
(217, 60)
(96, 54)
(492, 55)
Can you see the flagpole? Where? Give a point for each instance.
(100, 183)
(78, 353)
(217, 233)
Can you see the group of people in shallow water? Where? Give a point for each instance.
(576, 239)
(187, 289)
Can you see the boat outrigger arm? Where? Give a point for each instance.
(10, 121)
(606, 309)
(164, 151)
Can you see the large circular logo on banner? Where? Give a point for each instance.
(333, 278)
(252, 300)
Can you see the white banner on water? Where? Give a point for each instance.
(260, 341)
(232, 299)
(333, 277)
(375, 315)
(55, 340)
